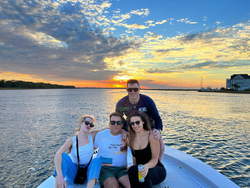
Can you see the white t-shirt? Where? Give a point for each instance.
(112, 149)
(85, 152)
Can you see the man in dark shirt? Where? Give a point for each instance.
(135, 101)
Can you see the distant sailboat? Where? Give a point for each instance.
(201, 89)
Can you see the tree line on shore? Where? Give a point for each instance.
(18, 84)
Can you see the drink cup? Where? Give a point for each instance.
(140, 177)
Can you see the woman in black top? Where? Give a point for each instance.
(145, 151)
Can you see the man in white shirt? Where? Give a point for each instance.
(113, 154)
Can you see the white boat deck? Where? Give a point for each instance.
(183, 171)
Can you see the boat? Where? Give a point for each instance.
(183, 171)
(201, 89)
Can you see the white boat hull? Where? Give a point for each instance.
(183, 171)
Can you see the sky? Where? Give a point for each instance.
(164, 44)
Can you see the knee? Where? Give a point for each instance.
(111, 182)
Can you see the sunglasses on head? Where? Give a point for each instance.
(90, 124)
(115, 122)
(131, 89)
(133, 123)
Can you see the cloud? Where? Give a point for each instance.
(135, 26)
(217, 65)
(214, 49)
(162, 22)
(168, 50)
(186, 21)
(71, 40)
(144, 12)
(161, 71)
(55, 40)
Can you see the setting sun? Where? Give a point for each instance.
(122, 78)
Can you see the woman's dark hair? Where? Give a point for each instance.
(146, 126)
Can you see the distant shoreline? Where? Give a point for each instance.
(243, 92)
(99, 88)
(14, 88)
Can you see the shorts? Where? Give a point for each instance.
(112, 171)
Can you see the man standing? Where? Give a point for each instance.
(113, 154)
(135, 101)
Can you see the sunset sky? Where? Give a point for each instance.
(162, 43)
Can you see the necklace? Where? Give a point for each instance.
(138, 138)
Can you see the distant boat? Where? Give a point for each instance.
(183, 171)
(201, 89)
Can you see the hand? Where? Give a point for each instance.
(124, 135)
(60, 182)
(156, 133)
(144, 170)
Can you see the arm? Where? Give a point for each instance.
(93, 133)
(155, 150)
(134, 161)
(156, 133)
(119, 106)
(124, 135)
(58, 162)
(154, 114)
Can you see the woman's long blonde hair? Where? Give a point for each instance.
(81, 120)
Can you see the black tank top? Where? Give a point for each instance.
(144, 155)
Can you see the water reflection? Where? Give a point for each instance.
(34, 124)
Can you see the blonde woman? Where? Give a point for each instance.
(66, 166)
(145, 151)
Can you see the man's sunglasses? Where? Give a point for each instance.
(131, 89)
(90, 124)
(133, 123)
(115, 122)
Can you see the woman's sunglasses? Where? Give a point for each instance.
(133, 123)
(90, 124)
(131, 89)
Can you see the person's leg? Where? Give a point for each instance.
(108, 178)
(124, 180)
(91, 183)
(111, 182)
(69, 169)
(122, 176)
(133, 177)
(156, 175)
(162, 149)
(93, 172)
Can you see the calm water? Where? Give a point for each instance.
(213, 127)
